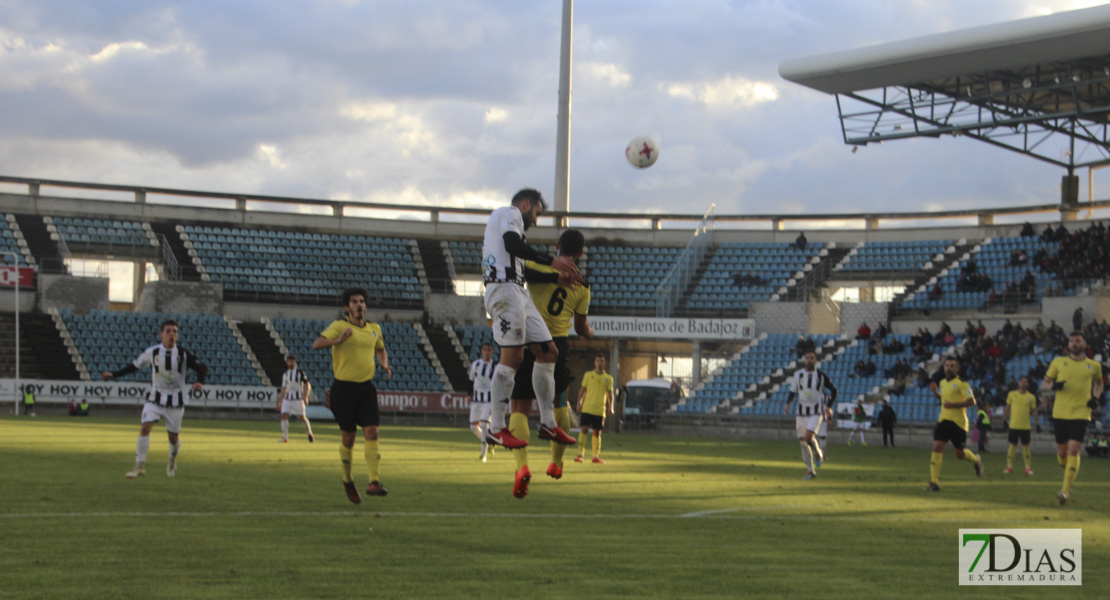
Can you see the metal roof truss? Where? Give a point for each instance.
(1056, 112)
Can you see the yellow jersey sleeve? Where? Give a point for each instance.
(557, 304)
(335, 329)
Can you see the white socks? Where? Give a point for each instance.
(807, 456)
(503, 381)
(141, 448)
(477, 429)
(543, 383)
(284, 429)
(174, 449)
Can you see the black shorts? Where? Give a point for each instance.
(522, 383)
(949, 431)
(1068, 430)
(1019, 435)
(354, 404)
(595, 422)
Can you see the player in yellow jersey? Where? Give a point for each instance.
(595, 402)
(955, 398)
(559, 304)
(353, 399)
(1020, 406)
(1077, 381)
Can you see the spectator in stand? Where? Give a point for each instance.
(1048, 234)
(922, 377)
(1027, 230)
(936, 293)
(864, 332)
(1077, 319)
(881, 331)
(1061, 234)
(800, 242)
(1098, 448)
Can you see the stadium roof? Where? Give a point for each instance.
(1016, 85)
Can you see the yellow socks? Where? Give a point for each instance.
(1063, 460)
(583, 443)
(518, 426)
(1070, 472)
(345, 460)
(562, 417)
(934, 467)
(597, 443)
(1010, 456)
(970, 456)
(372, 451)
(1027, 454)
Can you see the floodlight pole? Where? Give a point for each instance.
(15, 270)
(562, 144)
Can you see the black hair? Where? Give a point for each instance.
(529, 194)
(169, 322)
(347, 293)
(571, 242)
(1079, 333)
(291, 357)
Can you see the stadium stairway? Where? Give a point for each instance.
(440, 338)
(692, 286)
(816, 277)
(187, 271)
(951, 258)
(42, 354)
(435, 266)
(263, 377)
(265, 349)
(43, 248)
(777, 379)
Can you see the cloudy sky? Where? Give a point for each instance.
(455, 102)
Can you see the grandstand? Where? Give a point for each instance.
(278, 279)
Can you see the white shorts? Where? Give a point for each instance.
(810, 423)
(152, 413)
(479, 412)
(516, 321)
(292, 407)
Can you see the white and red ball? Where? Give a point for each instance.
(642, 152)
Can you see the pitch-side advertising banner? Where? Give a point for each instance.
(215, 396)
(660, 328)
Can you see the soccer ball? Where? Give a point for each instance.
(642, 152)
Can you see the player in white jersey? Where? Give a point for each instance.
(516, 322)
(481, 390)
(816, 394)
(168, 394)
(293, 398)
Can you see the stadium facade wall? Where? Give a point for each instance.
(852, 314)
(456, 310)
(780, 317)
(181, 296)
(1061, 309)
(824, 318)
(246, 311)
(80, 295)
(27, 301)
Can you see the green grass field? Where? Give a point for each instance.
(667, 517)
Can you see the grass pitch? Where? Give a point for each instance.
(667, 517)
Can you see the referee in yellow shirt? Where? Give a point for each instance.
(1020, 405)
(955, 398)
(1077, 381)
(353, 398)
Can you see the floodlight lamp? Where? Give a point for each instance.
(1056, 79)
(1075, 78)
(1026, 83)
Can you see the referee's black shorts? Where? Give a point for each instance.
(1068, 430)
(949, 431)
(522, 384)
(354, 404)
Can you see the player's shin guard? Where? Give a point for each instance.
(1010, 456)
(970, 456)
(345, 461)
(807, 456)
(1063, 460)
(935, 462)
(518, 426)
(562, 417)
(284, 429)
(1027, 454)
(597, 443)
(372, 452)
(1070, 472)
(141, 448)
(503, 379)
(583, 442)
(543, 382)
(175, 448)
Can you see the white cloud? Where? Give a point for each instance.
(728, 92)
(495, 115)
(269, 155)
(111, 50)
(607, 73)
(369, 111)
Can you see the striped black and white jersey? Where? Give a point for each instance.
(498, 264)
(292, 381)
(481, 377)
(813, 390)
(168, 368)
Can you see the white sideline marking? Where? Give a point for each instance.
(710, 514)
